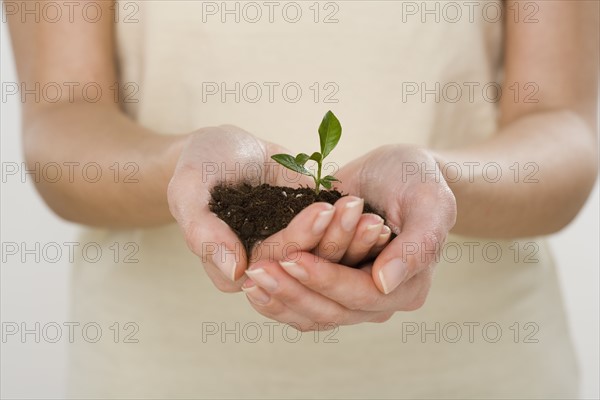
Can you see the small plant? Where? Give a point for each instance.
(330, 132)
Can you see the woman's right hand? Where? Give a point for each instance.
(229, 154)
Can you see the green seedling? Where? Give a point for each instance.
(330, 132)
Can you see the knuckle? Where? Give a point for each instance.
(358, 303)
(382, 317)
(431, 243)
(416, 302)
(368, 303)
(335, 317)
(433, 238)
(449, 207)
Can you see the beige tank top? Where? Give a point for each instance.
(393, 72)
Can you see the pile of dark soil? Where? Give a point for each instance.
(256, 212)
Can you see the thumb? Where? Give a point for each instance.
(206, 235)
(418, 246)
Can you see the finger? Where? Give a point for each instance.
(382, 241)
(339, 234)
(275, 309)
(367, 234)
(302, 234)
(300, 299)
(419, 244)
(352, 288)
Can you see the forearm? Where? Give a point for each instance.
(548, 165)
(135, 164)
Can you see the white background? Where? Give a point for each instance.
(39, 291)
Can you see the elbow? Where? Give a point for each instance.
(52, 176)
(58, 203)
(54, 193)
(579, 175)
(576, 192)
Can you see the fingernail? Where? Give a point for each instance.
(372, 232)
(385, 231)
(225, 261)
(322, 221)
(294, 270)
(262, 279)
(352, 212)
(392, 274)
(256, 295)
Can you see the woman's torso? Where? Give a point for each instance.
(390, 78)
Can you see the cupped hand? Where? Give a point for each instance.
(229, 154)
(406, 183)
(313, 293)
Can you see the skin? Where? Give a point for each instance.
(559, 54)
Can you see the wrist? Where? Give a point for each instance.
(158, 155)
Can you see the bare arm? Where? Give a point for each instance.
(557, 134)
(89, 132)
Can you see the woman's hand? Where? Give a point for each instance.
(406, 183)
(313, 293)
(216, 155)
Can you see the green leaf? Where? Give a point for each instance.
(302, 158)
(316, 156)
(326, 184)
(289, 162)
(330, 132)
(331, 178)
(327, 181)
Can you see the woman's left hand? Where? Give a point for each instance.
(311, 293)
